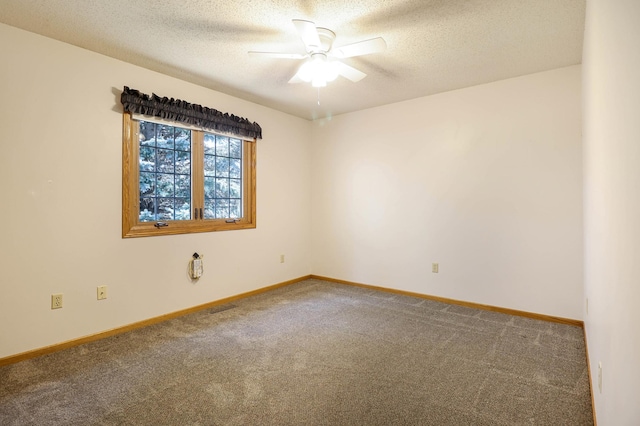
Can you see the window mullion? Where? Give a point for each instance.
(130, 174)
(197, 174)
(249, 182)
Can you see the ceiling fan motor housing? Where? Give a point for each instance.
(326, 39)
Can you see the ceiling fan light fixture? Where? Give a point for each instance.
(318, 70)
(318, 82)
(306, 71)
(330, 71)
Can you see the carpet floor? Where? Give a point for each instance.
(313, 353)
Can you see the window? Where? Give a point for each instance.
(178, 180)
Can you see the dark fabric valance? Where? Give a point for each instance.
(176, 110)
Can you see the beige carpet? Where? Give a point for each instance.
(314, 353)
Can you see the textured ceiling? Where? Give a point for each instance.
(433, 45)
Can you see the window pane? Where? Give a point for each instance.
(147, 133)
(209, 209)
(209, 144)
(183, 139)
(234, 188)
(235, 148)
(183, 162)
(147, 184)
(164, 136)
(235, 209)
(222, 167)
(209, 165)
(183, 209)
(166, 186)
(147, 209)
(209, 187)
(222, 209)
(165, 160)
(235, 168)
(165, 172)
(223, 177)
(147, 159)
(165, 208)
(222, 146)
(222, 188)
(183, 186)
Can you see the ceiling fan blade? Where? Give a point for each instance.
(349, 72)
(360, 48)
(308, 34)
(278, 55)
(296, 79)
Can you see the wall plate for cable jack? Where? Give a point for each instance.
(102, 292)
(56, 301)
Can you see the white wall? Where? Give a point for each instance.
(611, 90)
(60, 217)
(486, 181)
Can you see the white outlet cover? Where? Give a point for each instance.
(56, 301)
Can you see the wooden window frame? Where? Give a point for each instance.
(133, 227)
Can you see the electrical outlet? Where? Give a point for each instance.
(56, 301)
(282, 258)
(435, 268)
(102, 292)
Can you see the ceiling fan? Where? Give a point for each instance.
(323, 63)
